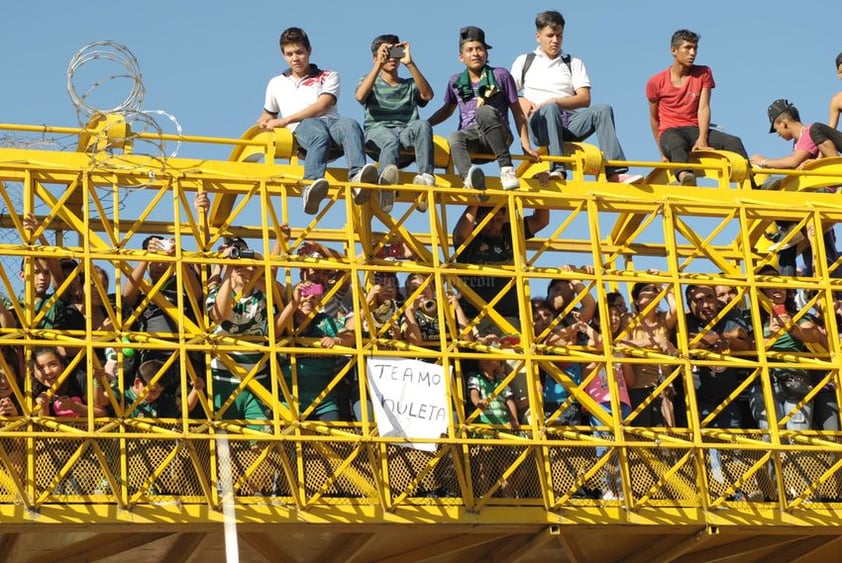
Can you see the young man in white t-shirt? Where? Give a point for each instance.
(556, 99)
(303, 99)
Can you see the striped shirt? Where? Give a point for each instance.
(392, 106)
(497, 411)
(248, 318)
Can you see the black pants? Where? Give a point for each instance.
(651, 415)
(677, 142)
(490, 133)
(819, 133)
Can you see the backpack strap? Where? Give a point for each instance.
(566, 59)
(526, 64)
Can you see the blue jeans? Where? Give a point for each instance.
(388, 142)
(729, 417)
(547, 128)
(318, 136)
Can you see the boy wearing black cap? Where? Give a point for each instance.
(813, 140)
(484, 96)
(810, 141)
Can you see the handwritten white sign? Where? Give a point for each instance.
(409, 397)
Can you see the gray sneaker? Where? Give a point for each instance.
(366, 175)
(475, 179)
(313, 195)
(388, 176)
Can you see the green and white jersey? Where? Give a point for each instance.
(248, 320)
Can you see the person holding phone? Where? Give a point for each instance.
(238, 308)
(391, 120)
(311, 373)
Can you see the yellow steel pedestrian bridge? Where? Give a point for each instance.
(291, 488)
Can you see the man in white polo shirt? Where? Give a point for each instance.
(303, 99)
(556, 99)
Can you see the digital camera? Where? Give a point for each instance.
(312, 289)
(237, 252)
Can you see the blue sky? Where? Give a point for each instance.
(208, 62)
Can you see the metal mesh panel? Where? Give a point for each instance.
(569, 465)
(489, 465)
(64, 481)
(729, 477)
(804, 475)
(257, 470)
(649, 467)
(407, 465)
(178, 476)
(322, 463)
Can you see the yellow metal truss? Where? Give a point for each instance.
(124, 469)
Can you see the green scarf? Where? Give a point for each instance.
(488, 86)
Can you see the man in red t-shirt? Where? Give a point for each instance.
(679, 107)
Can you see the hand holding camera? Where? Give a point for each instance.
(237, 252)
(162, 246)
(397, 51)
(307, 290)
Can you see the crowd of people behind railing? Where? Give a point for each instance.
(481, 312)
(553, 107)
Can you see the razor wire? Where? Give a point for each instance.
(145, 128)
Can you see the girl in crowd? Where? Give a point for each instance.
(54, 397)
(312, 374)
(9, 405)
(598, 388)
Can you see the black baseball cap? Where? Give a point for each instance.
(778, 107)
(472, 33)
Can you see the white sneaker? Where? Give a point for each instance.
(423, 180)
(313, 195)
(611, 496)
(366, 175)
(475, 179)
(388, 176)
(628, 178)
(508, 178)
